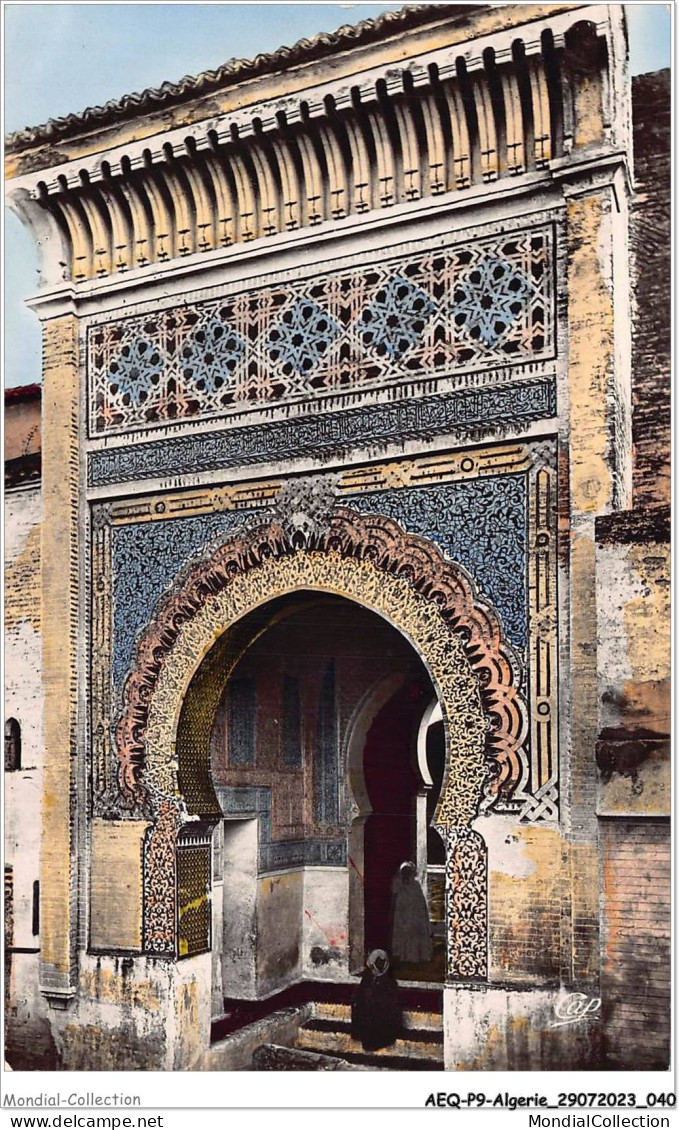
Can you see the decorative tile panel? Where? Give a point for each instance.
(326, 768)
(300, 340)
(291, 723)
(242, 716)
(489, 299)
(137, 588)
(243, 802)
(438, 312)
(395, 319)
(134, 373)
(481, 524)
(210, 356)
(194, 909)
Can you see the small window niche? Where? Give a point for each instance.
(12, 745)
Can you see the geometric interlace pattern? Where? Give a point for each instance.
(437, 312)
(489, 299)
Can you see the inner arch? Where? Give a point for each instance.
(313, 751)
(186, 658)
(220, 633)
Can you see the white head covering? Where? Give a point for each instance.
(378, 962)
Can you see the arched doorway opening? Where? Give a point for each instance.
(393, 785)
(189, 650)
(308, 807)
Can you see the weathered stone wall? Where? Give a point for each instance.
(28, 1031)
(637, 958)
(633, 609)
(526, 893)
(22, 422)
(23, 699)
(633, 756)
(651, 247)
(496, 1029)
(634, 642)
(133, 1013)
(29, 1041)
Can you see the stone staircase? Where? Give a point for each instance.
(324, 1043)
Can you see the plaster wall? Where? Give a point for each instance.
(633, 747)
(525, 899)
(238, 896)
(325, 926)
(496, 1029)
(23, 702)
(280, 905)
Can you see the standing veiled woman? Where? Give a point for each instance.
(376, 1018)
(410, 926)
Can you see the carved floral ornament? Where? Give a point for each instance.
(368, 559)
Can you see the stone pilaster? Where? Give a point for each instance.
(60, 620)
(599, 474)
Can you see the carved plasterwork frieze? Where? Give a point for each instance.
(464, 413)
(304, 506)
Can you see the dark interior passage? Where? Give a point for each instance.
(392, 782)
(436, 761)
(299, 676)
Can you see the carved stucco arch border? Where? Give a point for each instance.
(366, 553)
(372, 561)
(417, 618)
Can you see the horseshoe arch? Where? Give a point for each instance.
(400, 577)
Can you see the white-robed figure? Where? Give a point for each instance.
(410, 926)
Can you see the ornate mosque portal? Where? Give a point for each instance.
(342, 530)
(320, 763)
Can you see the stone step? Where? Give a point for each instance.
(333, 1037)
(324, 1010)
(277, 1057)
(373, 1061)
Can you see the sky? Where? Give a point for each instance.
(62, 58)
